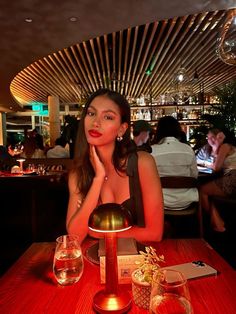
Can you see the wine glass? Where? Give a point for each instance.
(18, 149)
(41, 169)
(21, 161)
(170, 293)
(68, 262)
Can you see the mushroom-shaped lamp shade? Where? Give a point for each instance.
(110, 218)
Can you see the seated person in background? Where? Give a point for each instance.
(8, 152)
(107, 171)
(225, 185)
(174, 158)
(141, 132)
(32, 148)
(5, 157)
(59, 150)
(206, 155)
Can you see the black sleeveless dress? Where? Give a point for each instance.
(135, 204)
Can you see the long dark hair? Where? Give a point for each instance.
(208, 147)
(167, 126)
(82, 164)
(229, 136)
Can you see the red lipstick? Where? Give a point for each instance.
(94, 133)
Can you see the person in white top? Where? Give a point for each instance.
(174, 158)
(59, 150)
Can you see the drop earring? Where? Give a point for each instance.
(119, 138)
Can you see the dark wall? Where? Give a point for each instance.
(33, 209)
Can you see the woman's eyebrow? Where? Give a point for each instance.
(104, 111)
(110, 111)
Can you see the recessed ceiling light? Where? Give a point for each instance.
(28, 20)
(73, 19)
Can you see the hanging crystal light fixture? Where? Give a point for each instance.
(226, 42)
(181, 75)
(181, 87)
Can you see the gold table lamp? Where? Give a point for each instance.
(110, 218)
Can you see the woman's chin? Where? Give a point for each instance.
(92, 141)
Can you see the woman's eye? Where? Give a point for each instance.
(90, 113)
(108, 117)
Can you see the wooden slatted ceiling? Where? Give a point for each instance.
(120, 60)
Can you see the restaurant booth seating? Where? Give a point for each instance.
(180, 222)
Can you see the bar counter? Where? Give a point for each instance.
(29, 286)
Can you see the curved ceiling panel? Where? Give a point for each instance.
(134, 61)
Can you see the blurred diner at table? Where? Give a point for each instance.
(59, 150)
(224, 185)
(206, 155)
(174, 158)
(33, 146)
(109, 170)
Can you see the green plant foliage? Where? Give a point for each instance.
(226, 117)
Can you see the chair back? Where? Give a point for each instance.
(183, 182)
(179, 182)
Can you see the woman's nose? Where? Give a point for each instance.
(96, 121)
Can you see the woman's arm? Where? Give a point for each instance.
(79, 209)
(152, 201)
(223, 152)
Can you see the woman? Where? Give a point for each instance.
(102, 160)
(225, 161)
(174, 158)
(33, 148)
(207, 154)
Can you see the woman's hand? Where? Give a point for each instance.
(96, 163)
(220, 139)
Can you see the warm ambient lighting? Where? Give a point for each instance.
(181, 75)
(110, 218)
(28, 20)
(226, 48)
(73, 19)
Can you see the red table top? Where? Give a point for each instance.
(29, 287)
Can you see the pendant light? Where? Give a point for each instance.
(226, 42)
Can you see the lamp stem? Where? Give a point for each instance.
(111, 263)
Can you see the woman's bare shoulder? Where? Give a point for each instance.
(144, 155)
(225, 147)
(145, 158)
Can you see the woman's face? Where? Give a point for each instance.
(102, 123)
(211, 138)
(215, 140)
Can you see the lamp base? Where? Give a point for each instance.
(111, 303)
